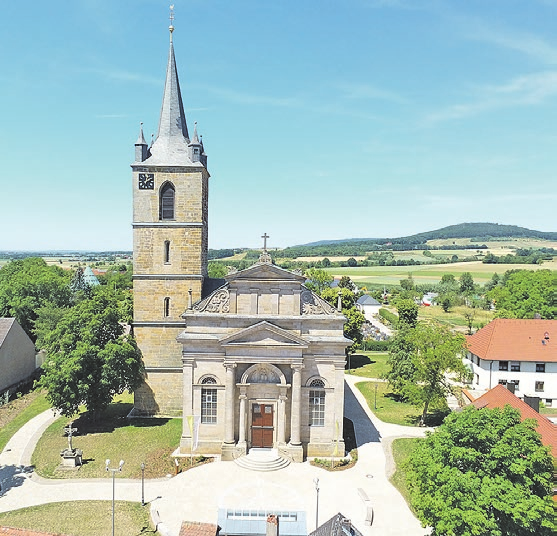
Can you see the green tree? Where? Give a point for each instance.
(407, 313)
(346, 282)
(466, 283)
(353, 327)
(352, 262)
(408, 283)
(448, 279)
(90, 359)
(27, 285)
(401, 366)
(347, 297)
(325, 262)
(437, 362)
(482, 472)
(217, 270)
(523, 293)
(318, 280)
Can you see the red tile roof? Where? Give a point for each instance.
(506, 339)
(195, 528)
(500, 396)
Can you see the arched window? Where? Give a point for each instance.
(208, 380)
(166, 209)
(317, 383)
(167, 307)
(167, 251)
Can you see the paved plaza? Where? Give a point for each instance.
(196, 495)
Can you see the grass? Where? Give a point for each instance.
(402, 448)
(391, 275)
(455, 317)
(82, 518)
(18, 412)
(369, 364)
(150, 441)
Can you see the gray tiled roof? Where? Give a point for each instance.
(5, 326)
(366, 299)
(338, 525)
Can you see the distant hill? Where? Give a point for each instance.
(462, 230)
(479, 232)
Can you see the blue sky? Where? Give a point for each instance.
(321, 119)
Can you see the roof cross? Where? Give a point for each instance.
(265, 236)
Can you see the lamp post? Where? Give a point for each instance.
(316, 482)
(143, 484)
(114, 471)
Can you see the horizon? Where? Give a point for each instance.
(397, 116)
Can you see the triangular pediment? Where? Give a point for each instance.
(264, 334)
(265, 272)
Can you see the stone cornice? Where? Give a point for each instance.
(168, 277)
(166, 224)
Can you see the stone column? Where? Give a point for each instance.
(281, 417)
(296, 408)
(242, 423)
(229, 403)
(187, 405)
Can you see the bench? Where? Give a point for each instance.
(368, 507)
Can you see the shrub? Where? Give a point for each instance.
(390, 318)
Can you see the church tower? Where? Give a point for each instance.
(170, 235)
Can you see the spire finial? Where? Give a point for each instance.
(171, 27)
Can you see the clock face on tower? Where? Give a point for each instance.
(146, 181)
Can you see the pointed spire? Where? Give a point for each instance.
(195, 138)
(141, 138)
(141, 146)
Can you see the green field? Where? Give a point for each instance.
(391, 275)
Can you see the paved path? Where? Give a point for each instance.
(197, 494)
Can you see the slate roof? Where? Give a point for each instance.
(500, 396)
(366, 299)
(338, 525)
(5, 326)
(505, 339)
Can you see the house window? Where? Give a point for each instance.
(503, 365)
(540, 367)
(317, 408)
(166, 208)
(539, 387)
(208, 405)
(167, 251)
(502, 382)
(516, 382)
(549, 402)
(317, 383)
(515, 366)
(167, 307)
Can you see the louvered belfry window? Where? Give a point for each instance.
(167, 202)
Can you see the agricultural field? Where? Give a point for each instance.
(391, 275)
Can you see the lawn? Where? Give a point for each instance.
(18, 412)
(368, 364)
(82, 518)
(455, 316)
(402, 448)
(114, 437)
(389, 407)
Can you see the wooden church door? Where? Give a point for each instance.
(262, 425)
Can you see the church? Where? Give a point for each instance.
(254, 360)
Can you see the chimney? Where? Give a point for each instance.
(272, 525)
(533, 402)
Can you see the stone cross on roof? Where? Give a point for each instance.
(265, 257)
(265, 236)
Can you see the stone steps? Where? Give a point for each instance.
(262, 460)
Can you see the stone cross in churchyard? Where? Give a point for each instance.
(70, 430)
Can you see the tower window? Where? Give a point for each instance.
(166, 211)
(167, 251)
(167, 307)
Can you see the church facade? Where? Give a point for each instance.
(252, 360)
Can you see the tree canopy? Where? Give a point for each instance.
(524, 293)
(482, 472)
(28, 284)
(318, 280)
(90, 359)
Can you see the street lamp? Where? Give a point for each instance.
(143, 484)
(114, 471)
(316, 482)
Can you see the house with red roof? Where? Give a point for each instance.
(518, 353)
(500, 396)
